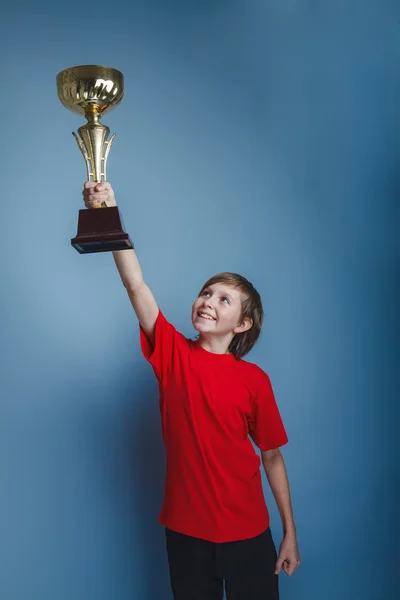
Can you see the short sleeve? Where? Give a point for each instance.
(265, 424)
(161, 355)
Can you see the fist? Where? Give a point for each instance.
(94, 194)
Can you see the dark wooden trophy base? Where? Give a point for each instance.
(101, 230)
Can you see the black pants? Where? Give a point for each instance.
(199, 568)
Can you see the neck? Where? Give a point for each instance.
(216, 345)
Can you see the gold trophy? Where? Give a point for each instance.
(92, 90)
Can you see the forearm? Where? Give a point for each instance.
(129, 268)
(126, 260)
(275, 471)
(139, 293)
(127, 263)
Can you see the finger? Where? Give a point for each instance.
(295, 566)
(103, 185)
(96, 202)
(89, 184)
(281, 563)
(94, 190)
(278, 565)
(93, 203)
(96, 196)
(289, 568)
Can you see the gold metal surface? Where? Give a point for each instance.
(92, 90)
(80, 87)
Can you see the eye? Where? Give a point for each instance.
(205, 293)
(225, 298)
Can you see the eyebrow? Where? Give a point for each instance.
(227, 294)
(208, 289)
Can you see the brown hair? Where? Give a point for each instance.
(252, 308)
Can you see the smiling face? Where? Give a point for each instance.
(217, 312)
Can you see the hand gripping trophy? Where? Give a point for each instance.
(92, 90)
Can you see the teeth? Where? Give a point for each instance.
(206, 316)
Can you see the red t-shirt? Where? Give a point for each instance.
(210, 404)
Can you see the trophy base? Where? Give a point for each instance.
(101, 230)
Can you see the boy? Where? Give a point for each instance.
(214, 512)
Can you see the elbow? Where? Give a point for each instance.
(133, 286)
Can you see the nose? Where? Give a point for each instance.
(207, 303)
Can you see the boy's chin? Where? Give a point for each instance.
(199, 326)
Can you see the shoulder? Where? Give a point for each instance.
(252, 369)
(163, 321)
(164, 325)
(256, 378)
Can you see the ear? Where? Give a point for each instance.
(245, 325)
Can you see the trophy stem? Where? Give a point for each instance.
(93, 143)
(93, 114)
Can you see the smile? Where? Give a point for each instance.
(205, 316)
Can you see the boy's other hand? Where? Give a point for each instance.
(289, 557)
(94, 194)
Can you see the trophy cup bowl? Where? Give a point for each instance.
(91, 91)
(80, 87)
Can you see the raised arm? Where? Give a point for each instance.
(128, 266)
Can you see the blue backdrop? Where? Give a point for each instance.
(256, 137)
